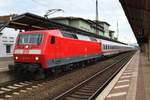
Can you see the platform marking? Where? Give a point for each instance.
(116, 94)
(23, 91)
(121, 86)
(8, 96)
(5, 89)
(123, 81)
(16, 93)
(126, 73)
(129, 70)
(125, 77)
(12, 87)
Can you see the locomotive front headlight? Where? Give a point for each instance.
(16, 57)
(36, 58)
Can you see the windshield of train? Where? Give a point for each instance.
(30, 39)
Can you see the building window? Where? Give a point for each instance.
(110, 35)
(4, 37)
(11, 37)
(8, 48)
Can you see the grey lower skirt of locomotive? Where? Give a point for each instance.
(25, 69)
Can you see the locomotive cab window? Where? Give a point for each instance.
(35, 39)
(52, 41)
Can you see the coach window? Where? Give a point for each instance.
(52, 40)
(104, 46)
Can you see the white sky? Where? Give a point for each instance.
(109, 11)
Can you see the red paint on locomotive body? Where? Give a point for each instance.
(36, 47)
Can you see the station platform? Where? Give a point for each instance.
(4, 62)
(131, 83)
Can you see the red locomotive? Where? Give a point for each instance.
(50, 49)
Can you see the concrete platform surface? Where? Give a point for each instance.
(4, 62)
(144, 79)
(131, 83)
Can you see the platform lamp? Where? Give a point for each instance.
(52, 11)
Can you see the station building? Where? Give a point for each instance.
(7, 42)
(87, 25)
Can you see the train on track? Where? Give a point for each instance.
(55, 49)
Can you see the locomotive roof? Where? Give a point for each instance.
(52, 32)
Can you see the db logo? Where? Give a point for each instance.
(26, 52)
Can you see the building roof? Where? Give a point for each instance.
(69, 18)
(102, 22)
(92, 23)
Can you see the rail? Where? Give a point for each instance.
(91, 87)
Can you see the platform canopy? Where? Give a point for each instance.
(29, 21)
(138, 14)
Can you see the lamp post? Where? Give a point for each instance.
(96, 17)
(51, 11)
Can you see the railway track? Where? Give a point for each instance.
(14, 88)
(91, 87)
(11, 88)
(22, 87)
